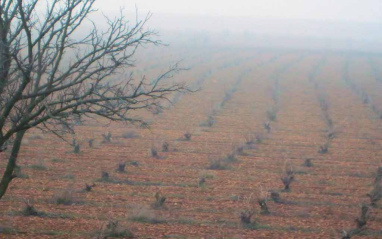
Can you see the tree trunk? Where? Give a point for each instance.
(8, 174)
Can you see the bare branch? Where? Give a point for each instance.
(50, 73)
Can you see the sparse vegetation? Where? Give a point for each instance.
(77, 149)
(157, 109)
(165, 147)
(363, 218)
(121, 167)
(218, 164)
(159, 200)
(308, 163)
(89, 187)
(154, 152)
(361, 222)
(250, 140)
(29, 210)
(378, 176)
(239, 150)
(376, 194)
(105, 176)
(275, 196)
(288, 176)
(324, 148)
(187, 136)
(272, 114)
(106, 137)
(267, 126)
(76, 146)
(263, 203)
(331, 134)
(350, 233)
(114, 230)
(209, 122)
(91, 141)
(202, 182)
(323, 103)
(246, 217)
(230, 158)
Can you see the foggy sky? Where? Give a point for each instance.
(314, 24)
(328, 10)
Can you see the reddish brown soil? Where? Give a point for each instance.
(324, 199)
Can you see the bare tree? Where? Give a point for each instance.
(50, 75)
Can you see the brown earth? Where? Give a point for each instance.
(324, 199)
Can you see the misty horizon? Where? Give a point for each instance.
(355, 28)
(326, 10)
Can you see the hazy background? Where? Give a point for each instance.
(322, 24)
